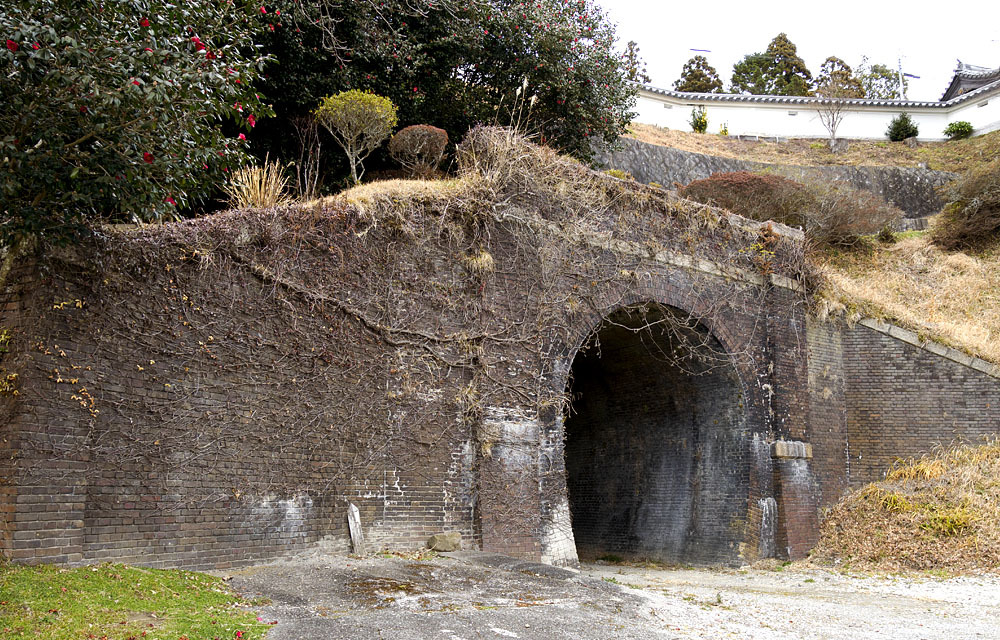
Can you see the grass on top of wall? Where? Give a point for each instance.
(950, 296)
(119, 602)
(952, 155)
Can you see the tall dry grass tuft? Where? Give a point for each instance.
(939, 511)
(258, 187)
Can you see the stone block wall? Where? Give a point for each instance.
(912, 190)
(878, 394)
(903, 401)
(216, 392)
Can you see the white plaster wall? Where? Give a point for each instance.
(802, 121)
(984, 117)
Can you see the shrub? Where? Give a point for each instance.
(901, 128)
(419, 148)
(840, 215)
(359, 121)
(830, 214)
(752, 195)
(971, 219)
(724, 129)
(958, 130)
(699, 120)
(119, 114)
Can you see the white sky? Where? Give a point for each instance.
(930, 36)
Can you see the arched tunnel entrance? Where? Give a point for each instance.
(657, 443)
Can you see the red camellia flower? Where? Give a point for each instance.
(252, 121)
(243, 136)
(209, 55)
(144, 22)
(83, 109)
(12, 45)
(36, 46)
(170, 200)
(148, 157)
(263, 10)
(135, 82)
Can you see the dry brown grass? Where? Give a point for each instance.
(948, 296)
(957, 155)
(258, 187)
(938, 512)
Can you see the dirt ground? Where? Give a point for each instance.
(475, 595)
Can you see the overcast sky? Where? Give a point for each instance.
(930, 36)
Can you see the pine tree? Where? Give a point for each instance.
(837, 80)
(779, 71)
(788, 72)
(698, 76)
(634, 66)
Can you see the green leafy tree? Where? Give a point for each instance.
(698, 76)
(359, 122)
(779, 71)
(750, 75)
(879, 82)
(836, 79)
(454, 65)
(116, 111)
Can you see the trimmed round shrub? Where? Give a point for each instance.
(901, 128)
(830, 214)
(971, 219)
(419, 148)
(958, 130)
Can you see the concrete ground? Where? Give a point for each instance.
(469, 595)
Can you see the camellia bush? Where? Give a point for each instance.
(120, 111)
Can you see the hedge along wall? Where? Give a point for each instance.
(912, 190)
(216, 392)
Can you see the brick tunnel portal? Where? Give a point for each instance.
(657, 442)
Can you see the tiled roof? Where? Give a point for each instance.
(988, 88)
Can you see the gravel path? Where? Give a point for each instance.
(814, 603)
(475, 595)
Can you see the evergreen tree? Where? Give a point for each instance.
(878, 81)
(750, 75)
(779, 71)
(635, 66)
(837, 80)
(698, 76)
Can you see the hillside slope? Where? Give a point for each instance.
(952, 297)
(956, 155)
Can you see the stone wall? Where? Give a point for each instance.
(912, 190)
(904, 400)
(216, 392)
(879, 394)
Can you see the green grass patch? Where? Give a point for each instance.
(118, 602)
